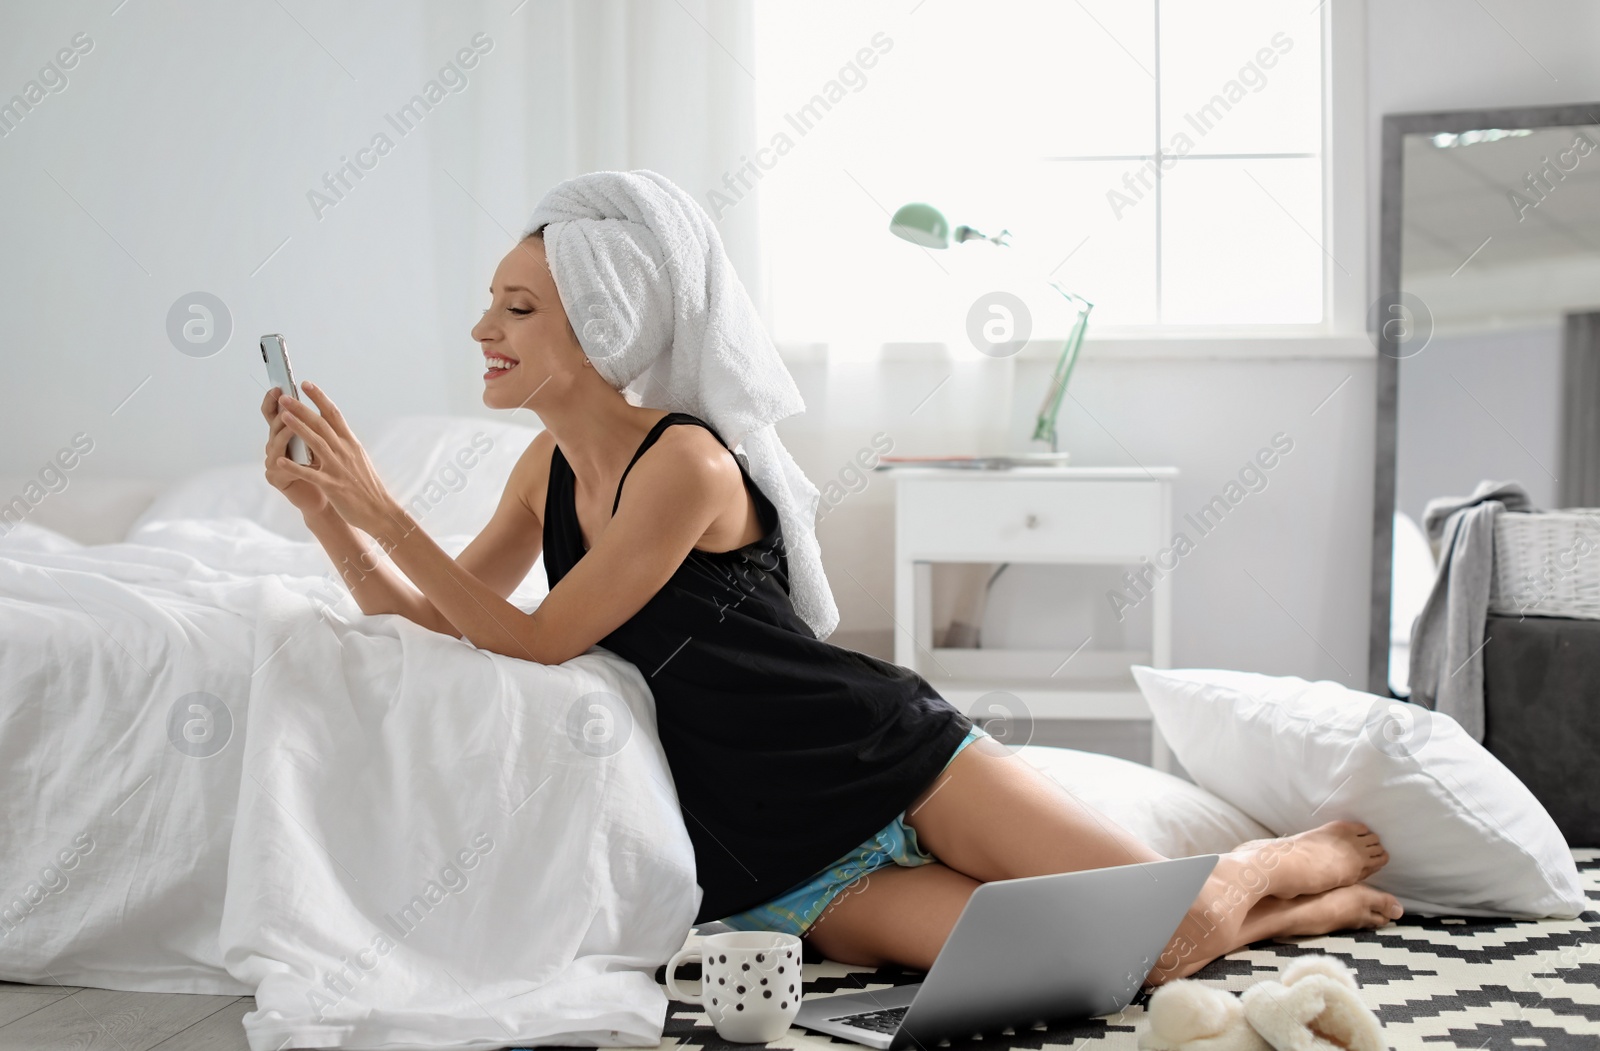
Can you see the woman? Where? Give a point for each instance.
(788, 754)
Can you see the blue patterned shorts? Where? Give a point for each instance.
(794, 911)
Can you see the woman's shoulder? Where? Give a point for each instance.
(693, 462)
(690, 444)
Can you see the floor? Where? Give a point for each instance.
(1474, 985)
(45, 1018)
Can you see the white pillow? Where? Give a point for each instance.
(234, 491)
(91, 509)
(449, 471)
(26, 536)
(1175, 818)
(1464, 836)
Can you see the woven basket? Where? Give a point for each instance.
(1547, 564)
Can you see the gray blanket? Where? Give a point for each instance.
(1447, 641)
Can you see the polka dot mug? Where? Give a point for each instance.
(750, 983)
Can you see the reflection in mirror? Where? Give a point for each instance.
(1498, 367)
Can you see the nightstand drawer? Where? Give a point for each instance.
(1003, 519)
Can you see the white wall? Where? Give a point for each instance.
(1302, 538)
(179, 157)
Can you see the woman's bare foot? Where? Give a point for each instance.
(1356, 907)
(1337, 854)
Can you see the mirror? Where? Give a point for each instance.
(1488, 329)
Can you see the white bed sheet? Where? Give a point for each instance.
(217, 775)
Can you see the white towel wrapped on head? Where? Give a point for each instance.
(652, 296)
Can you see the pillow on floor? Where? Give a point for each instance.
(1174, 817)
(1464, 836)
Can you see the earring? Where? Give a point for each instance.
(588, 364)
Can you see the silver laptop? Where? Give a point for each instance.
(1039, 949)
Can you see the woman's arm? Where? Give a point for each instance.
(376, 587)
(675, 494)
(500, 555)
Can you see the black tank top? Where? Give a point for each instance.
(786, 751)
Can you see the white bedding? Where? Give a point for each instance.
(217, 775)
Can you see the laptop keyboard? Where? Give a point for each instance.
(885, 1021)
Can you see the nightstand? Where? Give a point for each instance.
(1073, 515)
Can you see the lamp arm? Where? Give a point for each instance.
(1044, 428)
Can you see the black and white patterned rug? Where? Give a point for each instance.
(1483, 985)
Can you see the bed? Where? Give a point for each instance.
(218, 777)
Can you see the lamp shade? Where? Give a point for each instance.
(921, 224)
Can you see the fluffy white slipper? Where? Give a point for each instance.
(1187, 1015)
(1316, 1007)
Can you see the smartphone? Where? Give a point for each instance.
(276, 354)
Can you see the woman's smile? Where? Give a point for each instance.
(498, 366)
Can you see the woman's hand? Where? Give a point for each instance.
(341, 469)
(306, 497)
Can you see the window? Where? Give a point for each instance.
(1162, 159)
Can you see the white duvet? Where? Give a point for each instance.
(217, 775)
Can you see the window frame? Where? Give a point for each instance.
(1342, 331)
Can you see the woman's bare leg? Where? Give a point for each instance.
(894, 915)
(991, 816)
(904, 916)
(1355, 907)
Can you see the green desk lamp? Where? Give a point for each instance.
(923, 224)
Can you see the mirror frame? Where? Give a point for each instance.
(1396, 126)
